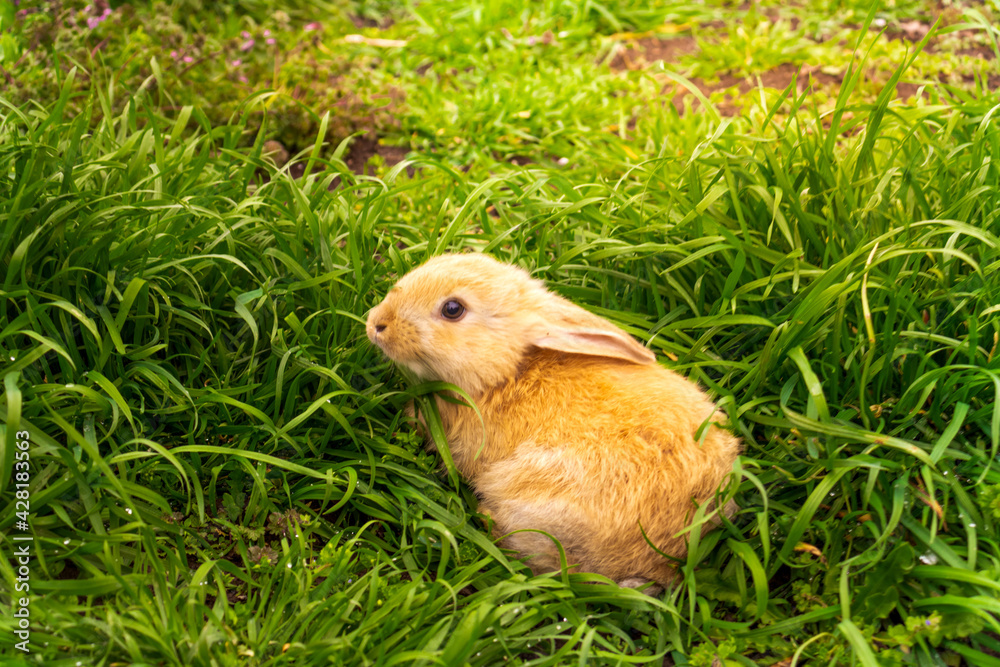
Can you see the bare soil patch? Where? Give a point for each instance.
(778, 78)
(361, 22)
(969, 40)
(367, 146)
(643, 52)
(962, 43)
(362, 149)
(981, 51)
(905, 90)
(911, 31)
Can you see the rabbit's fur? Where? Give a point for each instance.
(587, 437)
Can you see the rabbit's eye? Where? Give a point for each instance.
(452, 310)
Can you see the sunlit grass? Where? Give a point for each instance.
(221, 472)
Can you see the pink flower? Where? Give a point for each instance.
(267, 33)
(188, 59)
(245, 35)
(94, 21)
(236, 63)
(247, 45)
(173, 54)
(315, 25)
(271, 40)
(243, 79)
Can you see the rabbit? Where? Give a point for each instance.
(587, 438)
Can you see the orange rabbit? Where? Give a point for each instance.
(587, 437)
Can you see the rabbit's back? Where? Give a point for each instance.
(594, 448)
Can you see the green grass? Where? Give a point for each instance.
(220, 470)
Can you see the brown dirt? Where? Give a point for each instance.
(915, 30)
(778, 78)
(965, 41)
(366, 146)
(905, 91)
(642, 52)
(362, 149)
(784, 74)
(361, 22)
(911, 31)
(981, 51)
(992, 80)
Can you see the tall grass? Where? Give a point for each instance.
(221, 473)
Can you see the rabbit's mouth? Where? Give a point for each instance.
(386, 346)
(420, 367)
(411, 359)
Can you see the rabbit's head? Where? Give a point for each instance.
(470, 320)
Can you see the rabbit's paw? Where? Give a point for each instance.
(638, 582)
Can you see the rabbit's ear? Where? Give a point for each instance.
(561, 325)
(594, 343)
